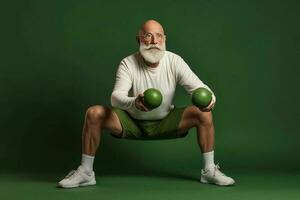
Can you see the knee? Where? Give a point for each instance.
(203, 118)
(95, 113)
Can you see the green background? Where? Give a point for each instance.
(59, 57)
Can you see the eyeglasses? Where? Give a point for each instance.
(148, 36)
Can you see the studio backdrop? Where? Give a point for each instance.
(60, 57)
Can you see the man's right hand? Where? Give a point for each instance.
(139, 103)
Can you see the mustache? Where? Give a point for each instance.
(152, 47)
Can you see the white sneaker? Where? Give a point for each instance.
(76, 178)
(215, 176)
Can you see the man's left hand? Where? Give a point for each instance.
(211, 106)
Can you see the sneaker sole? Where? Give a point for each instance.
(202, 180)
(79, 185)
(87, 184)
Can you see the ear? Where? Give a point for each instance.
(137, 39)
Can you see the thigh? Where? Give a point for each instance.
(189, 119)
(168, 127)
(112, 122)
(130, 128)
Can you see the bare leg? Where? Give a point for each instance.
(98, 118)
(203, 121)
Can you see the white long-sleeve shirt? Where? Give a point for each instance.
(134, 77)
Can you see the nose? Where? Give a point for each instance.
(154, 39)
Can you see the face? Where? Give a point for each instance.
(152, 42)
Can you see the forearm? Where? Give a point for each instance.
(121, 100)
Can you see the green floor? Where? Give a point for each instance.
(159, 185)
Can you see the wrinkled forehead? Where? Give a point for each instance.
(152, 27)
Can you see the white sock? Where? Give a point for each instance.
(208, 160)
(87, 162)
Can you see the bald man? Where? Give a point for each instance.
(128, 118)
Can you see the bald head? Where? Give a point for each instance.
(151, 26)
(151, 32)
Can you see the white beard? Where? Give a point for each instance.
(153, 53)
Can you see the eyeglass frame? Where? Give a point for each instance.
(152, 35)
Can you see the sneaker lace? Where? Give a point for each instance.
(217, 170)
(71, 174)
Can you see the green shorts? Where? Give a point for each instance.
(165, 128)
